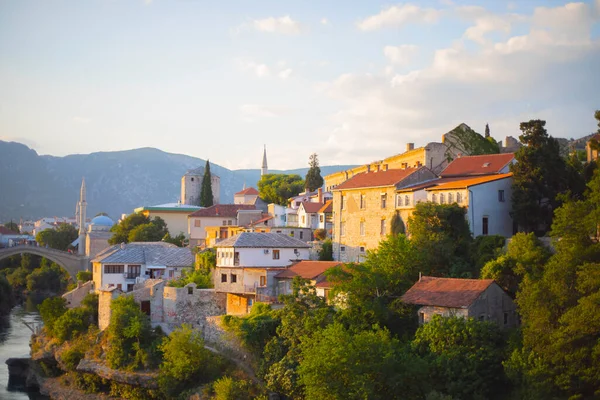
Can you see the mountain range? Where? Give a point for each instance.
(34, 186)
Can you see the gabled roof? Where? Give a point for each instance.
(391, 177)
(264, 217)
(222, 210)
(446, 292)
(307, 269)
(327, 207)
(247, 191)
(485, 164)
(467, 182)
(262, 240)
(310, 207)
(149, 253)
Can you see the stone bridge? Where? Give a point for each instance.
(72, 263)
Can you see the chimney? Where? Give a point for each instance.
(385, 167)
(368, 168)
(320, 195)
(410, 146)
(377, 168)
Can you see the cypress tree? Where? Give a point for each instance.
(487, 131)
(206, 194)
(313, 178)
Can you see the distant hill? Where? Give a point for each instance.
(34, 186)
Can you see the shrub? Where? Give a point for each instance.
(320, 234)
(50, 310)
(326, 253)
(227, 388)
(255, 329)
(84, 276)
(72, 323)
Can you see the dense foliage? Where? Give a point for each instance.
(278, 188)
(137, 227)
(59, 238)
(313, 179)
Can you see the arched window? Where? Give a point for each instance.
(450, 199)
(442, 198)
(434, 198)
(458, 197)
(406, 200)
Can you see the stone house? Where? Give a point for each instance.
(326, 217)
(123, 265)
(314, 271)
(222, 215)
(245, 196)
(247, 264)
(482, 299)
(363, 207)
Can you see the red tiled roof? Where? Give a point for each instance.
(323, 284)
(247, 191)
(310, 207)
(265, 217)
(5, 231)
(485, 164)
(307, 269)
(446, 292)
(468, 182)
(327, 207)
(222, 210)
(390, 177)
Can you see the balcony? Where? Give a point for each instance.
(131, 275)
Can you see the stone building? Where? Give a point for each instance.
(221, 215)
(482, 299)
(191, 187)
(245, 196)
(591, 149)
(98, 234)
(363, 207)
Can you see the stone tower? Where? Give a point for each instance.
(264, 169)
(82, 210)
(191, 186)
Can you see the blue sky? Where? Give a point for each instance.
(351, 81)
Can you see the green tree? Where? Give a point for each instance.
(52, 279)
(227, 388)
(440, 234)
(278, 188)
(59, 238)
(6, 297)
(485, 248)
(206, 194)
(465, 356)
(84, 276)
(51, 309)
(12, 226)
(122, 229)
(363, 365)
(326, 252)
(178, 240)
(487, 131)
(397, 225)
(539, 175)
(255, 329)
(186, 362)
(313, 179)
(153, 231)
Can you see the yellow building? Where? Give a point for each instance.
(363, 207)
(174, 214)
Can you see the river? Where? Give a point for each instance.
(14, 342)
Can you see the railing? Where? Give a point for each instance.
(131, 275)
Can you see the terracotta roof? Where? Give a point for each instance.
(5, 231)
(391, 177)
(485, 164)
(323, 284)
(446, 292)
(468, 182)
(307, 269)
(263, 219)
(310, 207)
(430, 183)
(327, 207)
(249, 191)
(222, 210)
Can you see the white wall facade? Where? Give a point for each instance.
(484, 202)
(279, 214)
(259, 257)
(127, 277)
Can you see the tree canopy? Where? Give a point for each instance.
(12, 226)
(313, 179)
(206, 193)
(137, 227)
(278, 188)
(59, 238)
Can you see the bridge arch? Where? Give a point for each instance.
(72, 263)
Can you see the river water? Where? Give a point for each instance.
(14, 342)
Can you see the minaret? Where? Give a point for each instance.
(82, 207)
(264, 169)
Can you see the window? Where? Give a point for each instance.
(197, 223)
(114, 269)
(342, 248)
(505, 318)
(501, 196)
(362, 228)
(223, 278)
(458, 197)
(224, 222)
(383, 200)
(342, 228)
(450, 198)
(421, 318)
(263, 281)
(482, 317)
(320, 218)
(303, 219)
(363, 203)
(362, 249)
(190, 290)
(229, 222)
(383, 227)
(434, 198)
(343, 202)
(406, 200)
(171, 273)
(484, 226)
(119, 286)
(297, 204)
(442, 198)
(233, 278)
(275, 254)
(301, 235)
(192, 179)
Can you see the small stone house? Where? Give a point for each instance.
(482, 299)
(314, 271)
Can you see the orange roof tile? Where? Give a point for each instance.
(327, 207)
(391, 177)
(307, 269)
(467, 182)
(310, 207)
(478, 165)
(446, 292)
(247, 191)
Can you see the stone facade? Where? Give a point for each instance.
(75, 296)
(105, 298)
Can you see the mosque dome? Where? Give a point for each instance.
(102, 220)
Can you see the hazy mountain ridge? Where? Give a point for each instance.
(34, 186)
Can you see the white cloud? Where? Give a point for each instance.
(282, 25)
(252, 112)
(324, 21)
(285, 73)
(258, 69)
(81, 120)
(396, 16)
(400, 55)
(486, 22)
(447, 2)
(279, 70)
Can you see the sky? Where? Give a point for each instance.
(352, 81)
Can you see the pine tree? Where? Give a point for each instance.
(487, 131)
(206, 194)
(313, 179)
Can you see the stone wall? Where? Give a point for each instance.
(190, 305)
(75, 296)
(105, 298)
(493, 305)
(425, 313)
(150, 290)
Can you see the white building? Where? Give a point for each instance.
(247, 264)
(245, 196)
(123, 265)
(308, 214)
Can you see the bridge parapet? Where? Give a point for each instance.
(72, 263)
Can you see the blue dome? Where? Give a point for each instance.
(102, 220)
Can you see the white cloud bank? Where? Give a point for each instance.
(396, 16)
(282, 25)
